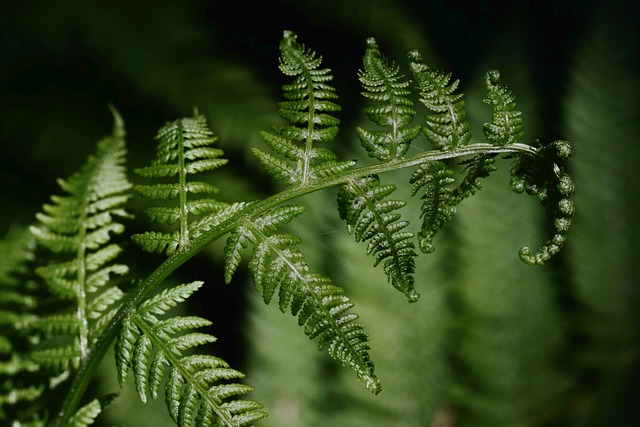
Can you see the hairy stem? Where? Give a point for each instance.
(89, 364)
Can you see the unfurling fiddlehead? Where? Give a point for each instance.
(547, 180)
(542, 176)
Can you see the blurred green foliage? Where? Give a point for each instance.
(492, 342)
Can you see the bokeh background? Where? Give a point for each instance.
(492, 342)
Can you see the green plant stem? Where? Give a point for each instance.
(184, 228)
(88, 365)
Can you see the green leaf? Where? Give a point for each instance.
(155, 344)
(184, 149)
(439, 206)
(445, 125)
(309, 102)
(506, 126)
(374, 219)
(277, 264)
(78, 228)
(394, 110)
(86, 415)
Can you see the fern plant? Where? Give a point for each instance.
(97, 301)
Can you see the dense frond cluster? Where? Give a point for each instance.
(374, 219)
(445, 126)
(199, 388)
(322, 308)
(308, 106)
(394, 110)
(78, 227)
(184, 149)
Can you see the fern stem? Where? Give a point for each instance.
(81, 295)
(89, 364)
(182, 176)
(310, 128)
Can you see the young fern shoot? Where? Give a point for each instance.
(159, 347)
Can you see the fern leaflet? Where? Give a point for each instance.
(382, 83)
(322, 308)
(445, 126)
(198, 387)
(86, 415)
(439, 205)
(381, 225)
(184, 149)
(374, 219)
(78, 227)
(506, 126)
(308, 106)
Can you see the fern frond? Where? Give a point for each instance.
(545, 178)
(20, 384)
(384, 84)
(476, 168)
(86, 415)
(445, 127)
(308, 107)
(184, 149)
(156, 345)
(277, 264)
(439, 204)
(506, 126)
(441, 197)
(78, 227)
(206, 223)
(17, 301)
(372, 218)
